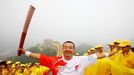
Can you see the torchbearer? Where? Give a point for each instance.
(67, 64)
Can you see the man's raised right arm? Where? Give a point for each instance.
(30, 54)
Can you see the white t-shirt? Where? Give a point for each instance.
(76, 65)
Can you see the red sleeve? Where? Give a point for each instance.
(45, 60)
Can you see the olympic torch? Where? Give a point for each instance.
(25, 28)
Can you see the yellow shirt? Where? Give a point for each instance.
(113, 56)
(85, 54)
(9, 72)
(44, 69)
(127, 60)
(5, 72)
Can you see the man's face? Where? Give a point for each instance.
(17, 66)
(101, 49)
(92, 51)
(97, 49)
(68, 49)
(125, 48)
(111, 46)
(9, 66)
(116, 45)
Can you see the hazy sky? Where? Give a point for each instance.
(89, 21)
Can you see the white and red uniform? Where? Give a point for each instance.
(60, 66)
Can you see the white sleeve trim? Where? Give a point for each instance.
(28, 53)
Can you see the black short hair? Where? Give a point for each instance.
(69, 42)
